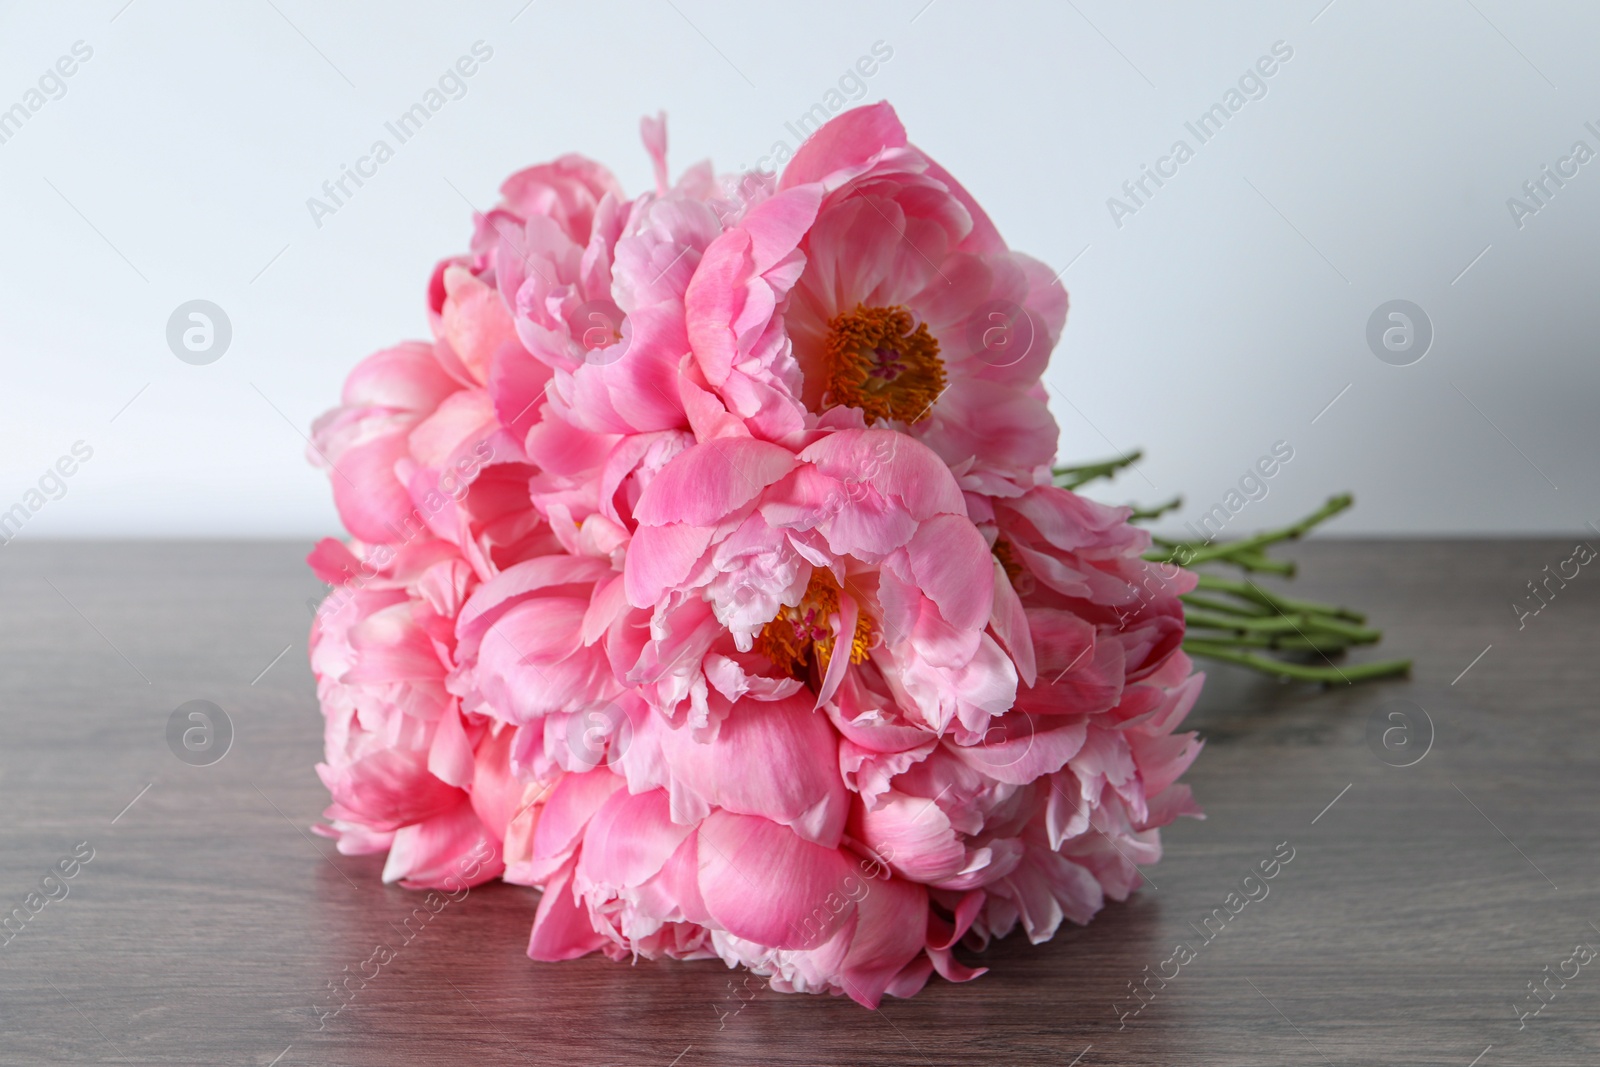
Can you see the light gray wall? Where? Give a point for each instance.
(1220, 317)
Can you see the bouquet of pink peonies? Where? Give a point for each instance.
(709, 569)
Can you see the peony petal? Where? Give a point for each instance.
(777, 759)
(762, 882)
(660, 558)
(561, 929)
(629, 840)
(449, 851)
(712, 480)
(891, 931)
(450, 757)
(850, 140)
(568, 809)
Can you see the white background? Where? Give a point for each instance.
(1222, 317)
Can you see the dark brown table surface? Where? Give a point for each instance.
(210, 920)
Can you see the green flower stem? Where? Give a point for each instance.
(1324, 644)
(1361, 635)
(1287, 624)
(1237, 621)
(1205, 553)
(1284, 624)
(1249, 608)
(1300, 671)
(1281, 604)
(1072, 477)
(1259, 561)
(1246, 560)
(1141, 514)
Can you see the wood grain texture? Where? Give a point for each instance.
(209, 921)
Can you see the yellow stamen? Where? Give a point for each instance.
(802, 635)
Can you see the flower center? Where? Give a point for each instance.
(1008, 558)
(879, 362)
(801, 636)
(1018, 575)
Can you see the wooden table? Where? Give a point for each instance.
(1420, 902)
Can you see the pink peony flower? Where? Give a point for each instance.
(409, 773)
(361, 442)
(414, 454)
(859, 542)
(872, 290)
(912, 310)
(708, 570)
(627, 874)
(530, 653)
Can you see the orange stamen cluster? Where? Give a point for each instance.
(801, 636)
(1008, 559)
(882, 363)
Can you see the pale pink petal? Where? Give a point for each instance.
(711, 480)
